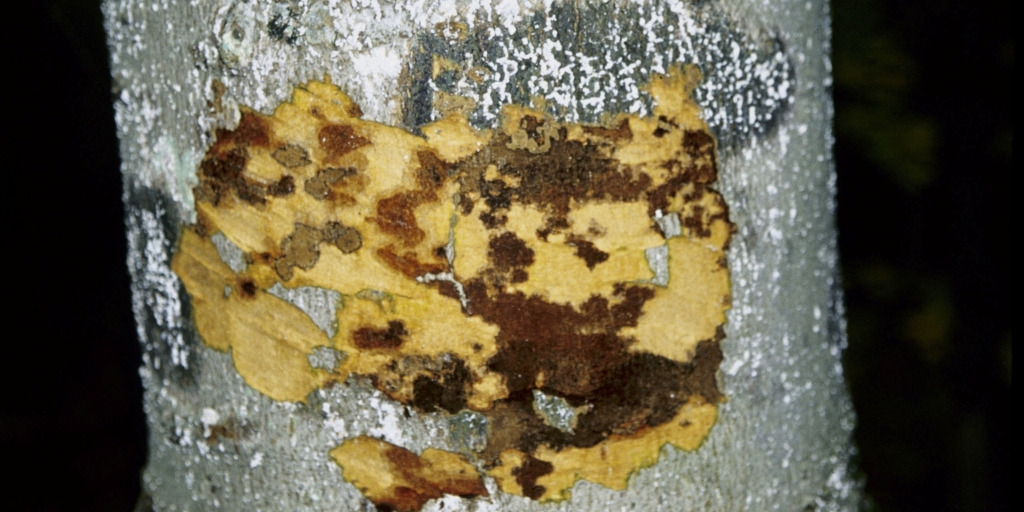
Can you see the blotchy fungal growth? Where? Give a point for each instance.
(480, 270)
(385, 337)
(411, 480)
(291, 155)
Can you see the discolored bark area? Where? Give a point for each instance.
(457, 207)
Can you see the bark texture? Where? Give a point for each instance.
(181, 70)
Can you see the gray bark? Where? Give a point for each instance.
(783, 438)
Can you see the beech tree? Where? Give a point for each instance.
(484, 255)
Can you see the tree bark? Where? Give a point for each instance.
(186, 74)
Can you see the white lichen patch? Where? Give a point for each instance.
(556, 411)
(156, 302)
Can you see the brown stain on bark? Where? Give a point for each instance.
(396, 216)
(443, 390)
(620, 132)
(387, 338)
(577, 354)
(339, 139)
(252, 130)
(583, 351)
(247, 288)
(283, 187)
(408, 263)
(587, 251)
(224, 178)
(569, 171)
(528, 473)
(413, 479)
(554, 346)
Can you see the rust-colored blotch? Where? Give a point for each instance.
(478, 268)
(413, 479)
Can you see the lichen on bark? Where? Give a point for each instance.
(542, 230)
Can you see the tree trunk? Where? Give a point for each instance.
(386, 254)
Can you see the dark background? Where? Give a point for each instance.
(924, 146)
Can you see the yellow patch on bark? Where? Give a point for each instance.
(269, 354)
(394, 478)
(476, 268)
(611, 463)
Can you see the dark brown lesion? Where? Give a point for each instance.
(587, 251)
(446, 389)
(220, 175)
(448, 289)
(396, 219)
(665, 125)
(527, 474)
(573, 350)
(428, 383)
(695, 222)
(408, 262)
(660, 197)
(337, 140)
(698, 219)
(510, 257)
(536, 129)
(409, 468)
(578, 354)
(252, 130)
(642, 392)
(433, 172)
(282, 187)
(701, 148)
(221, 171)
(696, 174)
(247, 287)
(619, 133)
(390, 337)
(570, 171)
(396, 216)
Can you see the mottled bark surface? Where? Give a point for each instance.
(782, 437)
